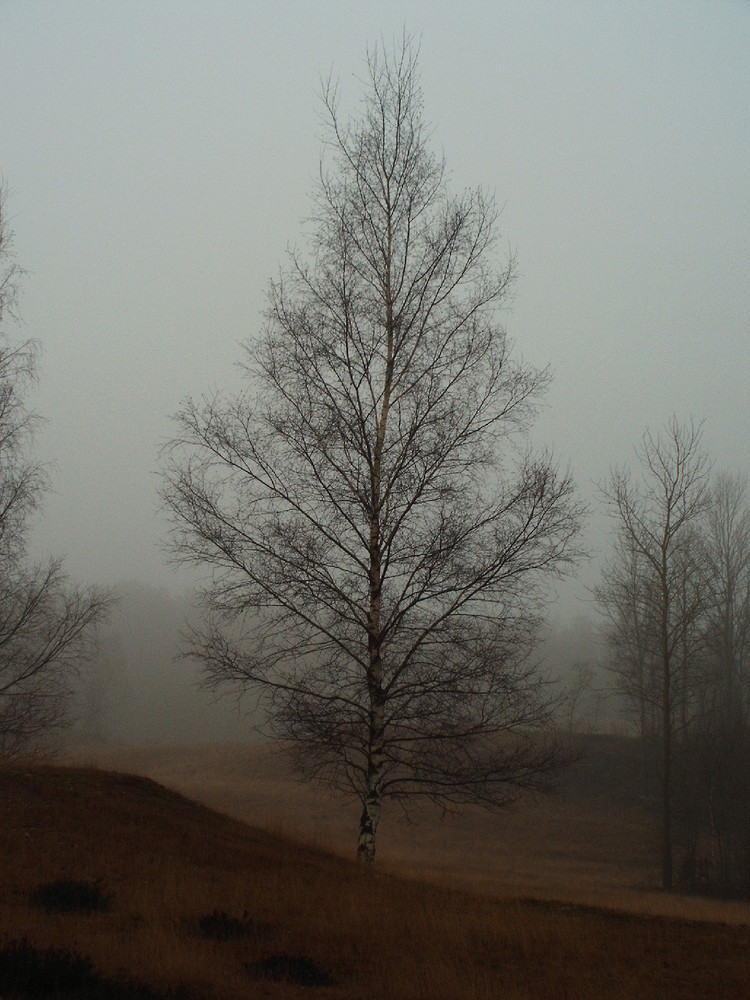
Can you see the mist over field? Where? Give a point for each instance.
(140, 690)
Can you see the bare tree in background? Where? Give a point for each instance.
(45, 624)
(726, 576)
(625, 599)
(377, 535)
(653, 582)
(721, 794)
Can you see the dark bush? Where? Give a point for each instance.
(26, 971)
(297, 969)
(70, 896)
(30, 973)
(219, 926)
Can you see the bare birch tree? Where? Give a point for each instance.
(377, 534)
(45, 624)
(653, 585)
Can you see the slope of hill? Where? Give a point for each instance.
(592, 841)
(149, 894)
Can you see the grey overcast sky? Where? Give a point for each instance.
(159, 158)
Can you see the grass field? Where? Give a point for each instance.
(590, 842)
(190, 903)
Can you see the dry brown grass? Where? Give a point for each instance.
(168, 861)
(590, 842)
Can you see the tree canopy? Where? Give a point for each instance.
(377, 529)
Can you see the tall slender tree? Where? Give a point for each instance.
(657, 515)
(377, 532)
(625, 597)
(726, 581)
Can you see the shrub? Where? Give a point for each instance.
(70, 896)
(219, 926)
(298, 969)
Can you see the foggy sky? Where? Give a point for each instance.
(159, 158)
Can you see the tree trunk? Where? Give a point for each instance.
(370, 818)
(666, 819)
(666, 744)
(368, 825)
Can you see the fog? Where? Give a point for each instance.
(159, 158)
(139, 689)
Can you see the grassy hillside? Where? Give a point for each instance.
(594, 841)
(159, 896)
